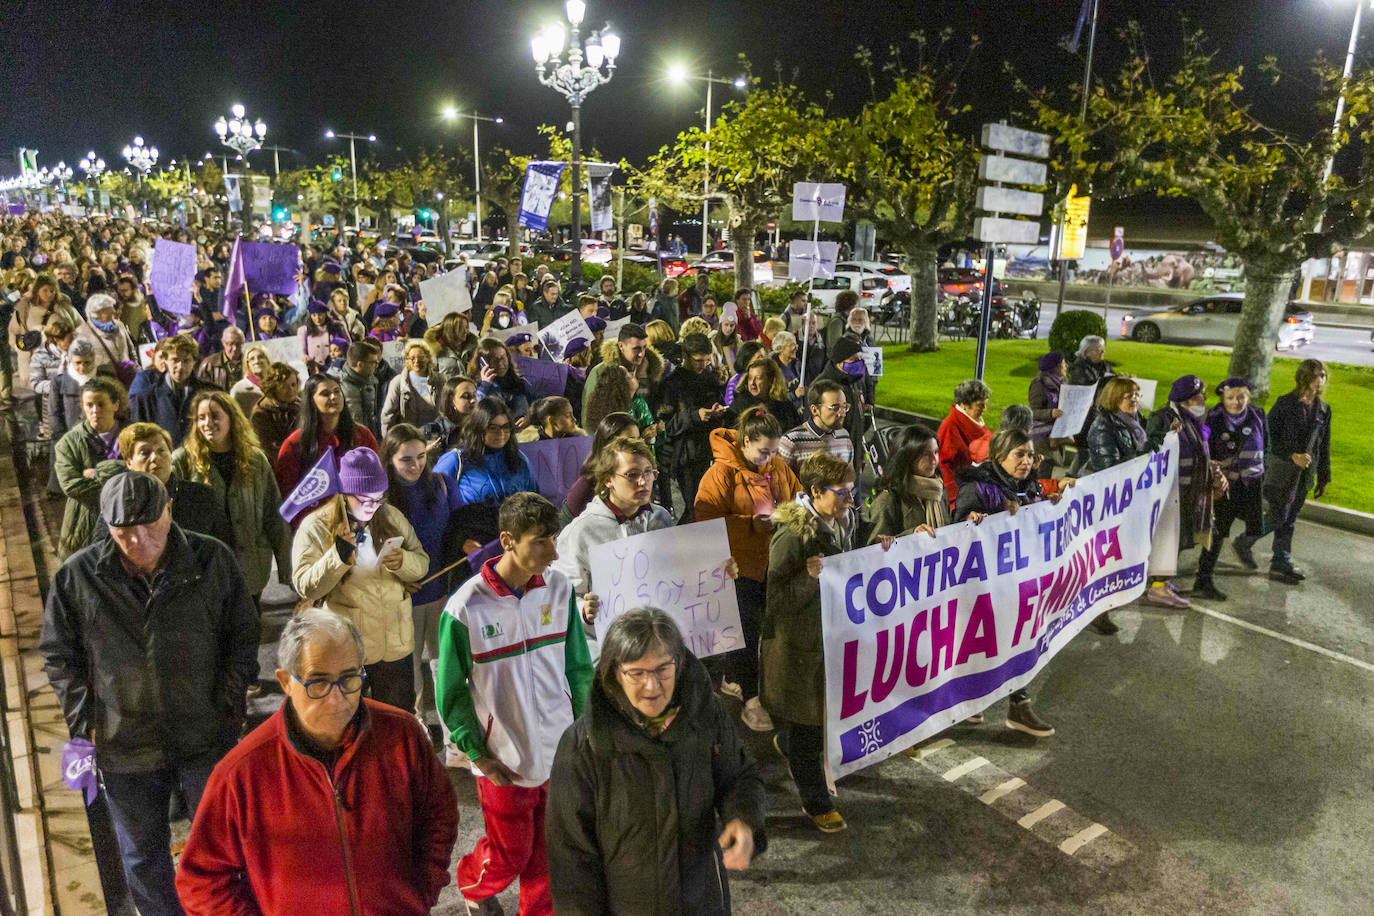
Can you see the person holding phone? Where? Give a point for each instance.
(357, 556)
(693, 406)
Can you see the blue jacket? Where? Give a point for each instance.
(157, 404)
(431, 523)
(490, 481)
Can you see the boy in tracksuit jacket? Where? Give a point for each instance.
(513, 674)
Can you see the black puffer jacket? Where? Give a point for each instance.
(1111, 440)
(158, 672)
(633, 820)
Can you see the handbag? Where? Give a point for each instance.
(124, 370)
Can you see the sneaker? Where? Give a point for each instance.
(1163, 596)
(829, 822)
(1206, 589)
(487, 907)
(1176, 593)
(1021, 717)
(1242, 546)
(1284, 566)
(756, 717)
(975, 719)
(456, 759)
(731, 689)
(1103, 625)
(1286, 574)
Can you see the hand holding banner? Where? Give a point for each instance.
(1076, 401)
(678, 570)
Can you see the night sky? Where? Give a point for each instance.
(83, 75)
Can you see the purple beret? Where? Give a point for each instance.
(1050, 361)
(502, 308)
(603, 311)
(260, 298)
(596, 324)
(575, 346)
(1184, 388)
(343, 343)
(316, 307)
(516, 340)
(1235, 381)
(332, 267)
(264, 313)
(386, 309)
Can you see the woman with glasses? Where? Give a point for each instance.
(612, 426)
(653, 756)
(818, 524)
(325, 423)
(747, 482)
(487, 464)
(357, 556)
(411, 396)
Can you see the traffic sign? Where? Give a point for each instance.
(1118, 246)
(1119, 232)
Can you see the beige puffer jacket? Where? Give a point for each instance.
(375, 599)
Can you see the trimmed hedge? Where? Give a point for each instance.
(1072, 326)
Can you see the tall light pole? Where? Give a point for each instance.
(679, 74)
(451, 113)
(276, 157)
(353, 162)
(141, 157)
(575, 82)
(92, 165)
(238, 133)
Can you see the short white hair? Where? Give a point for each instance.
(1092, 341)
(782, 339)
(311, 625)
(232, 331)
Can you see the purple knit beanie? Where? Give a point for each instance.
(361, 472)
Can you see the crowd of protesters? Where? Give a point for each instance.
(436, 585)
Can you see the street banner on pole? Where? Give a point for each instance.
(231, 192)
(926, 634)
(807, 259)
(599, 194)
(172, 275)
(541, 187)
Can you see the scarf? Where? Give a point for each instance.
(1132, 423)
(107, 326)
(924, 502)
(1195, 492)
(110, 442)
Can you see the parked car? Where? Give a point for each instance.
(594, 251)
(724, 260)
(875, 290)
(965, 281)
(898, 281)
(1212, 319)
(672, 264)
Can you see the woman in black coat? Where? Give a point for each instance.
(653, 796)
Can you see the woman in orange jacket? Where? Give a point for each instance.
(746, 482)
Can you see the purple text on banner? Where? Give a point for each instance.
(173, 273)
(546, 378)
(556, 464)
(270, 268)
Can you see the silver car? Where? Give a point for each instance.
(1211, 320)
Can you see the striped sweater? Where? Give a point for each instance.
(808, 439)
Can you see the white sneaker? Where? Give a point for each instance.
(456, 759)
(756, 717)
(731, 689)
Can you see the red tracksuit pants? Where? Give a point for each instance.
(513, 847)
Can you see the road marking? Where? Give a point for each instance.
(923, 751)
(1082, 838)
(1039, 814)
(963, 769)
(1291, 640)
(1000, 791)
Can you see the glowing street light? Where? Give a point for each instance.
(451, 113)
(679, 74)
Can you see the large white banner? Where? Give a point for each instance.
(937, 629)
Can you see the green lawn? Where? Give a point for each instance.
(924, 383)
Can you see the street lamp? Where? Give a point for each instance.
(575, 82)
(61, 173)
(678, 74)
(237, 133)
(141, 157)
(353, 162)
(92, 165)
(451, 113)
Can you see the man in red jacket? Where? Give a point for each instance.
(336, 804)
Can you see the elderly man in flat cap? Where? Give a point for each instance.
(149, 639)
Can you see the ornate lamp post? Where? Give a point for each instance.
(237, 133)
(92, 165)
(141, 157)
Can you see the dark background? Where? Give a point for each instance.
(91, 75)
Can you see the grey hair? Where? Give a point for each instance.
(782, 339)
(1017, 416)
(81, 349)
(232, 331)
(1088, 343)
(311, 624)
(971, 390)
(632, 636)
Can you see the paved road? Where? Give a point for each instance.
(1334, 344)
(1229, 761)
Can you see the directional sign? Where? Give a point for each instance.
(1011, 171)
(1015, 140)
(996, 229)
(1010, 200)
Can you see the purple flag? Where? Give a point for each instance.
(1078, 29)
(322, 481)
(271, 268)
(173, 272)
(234, 283)
(16, 209)
(545, 378)
(557, 463)
(484, 553)
(78, 768)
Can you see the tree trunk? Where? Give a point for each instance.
(742, 244)
(1266, 295)
(924, 264)
(513, 231)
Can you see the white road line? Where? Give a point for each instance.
(1006, 788)
(1082, 838)
(963, 769)
(1039, 814)
(1291, 640)
(920, 752)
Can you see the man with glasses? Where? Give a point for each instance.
(150, 639)
(335, 804)
(824, 431)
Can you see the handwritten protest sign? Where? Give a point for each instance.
(145, 354)
(680, 571)
(569, 327)
(921, 636)
(545, 378)
(556, 463)
(392, 354)
(269, 267)
(613, 328)
(172, 275)
(445, 294)
(1075, 401)
(281, 349)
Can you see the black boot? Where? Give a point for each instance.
(1103, 625)
(1205, 588)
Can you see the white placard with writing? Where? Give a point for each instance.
(613, 327)
(392, 353)
(812, 201)
(680, 571)
(873, 361)
(445, 294)
(503, 334)
(280, 349)
(567, 328)
(1076, 401)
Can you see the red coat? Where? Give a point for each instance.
(288, 468)
(273, 836)
(962, 442)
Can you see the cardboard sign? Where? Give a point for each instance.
(1076, 401)
(567, 328)
(445, 294)
(556, 464)
(678, 570)
(172, 275)
(811, 202)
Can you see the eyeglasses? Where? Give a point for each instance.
(498, 428)
(836, 408)
(642, 477)
(370, 502)
(640, 676)
(847, 493)
(319, 688)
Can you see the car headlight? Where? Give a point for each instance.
(1125, 318)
